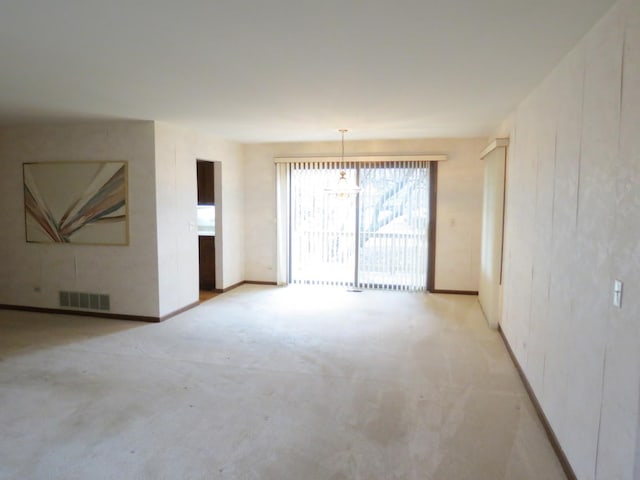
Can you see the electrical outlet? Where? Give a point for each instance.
(617, 293)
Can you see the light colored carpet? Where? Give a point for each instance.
(272, 384)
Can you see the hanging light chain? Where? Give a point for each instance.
(343, 131)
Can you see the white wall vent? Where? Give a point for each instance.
(89, 301)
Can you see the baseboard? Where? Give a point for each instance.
(118, 316)
(244, 282)
(179, 311)
(455, 292)
(225, 290)
(84, 313)
(553, 439)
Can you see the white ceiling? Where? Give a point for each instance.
(284, 70)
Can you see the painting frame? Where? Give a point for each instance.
(76, 202)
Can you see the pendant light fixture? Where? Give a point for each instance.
(343, 188)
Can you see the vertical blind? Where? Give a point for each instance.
(374, 239)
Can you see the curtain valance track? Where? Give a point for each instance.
(362, 158)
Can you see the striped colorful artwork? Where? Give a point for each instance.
(76, 202)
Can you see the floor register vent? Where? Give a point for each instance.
(91, 301)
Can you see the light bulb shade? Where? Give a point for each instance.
(343, 188)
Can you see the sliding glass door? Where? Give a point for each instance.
(373, 239)
(393, 226)
(323, 227)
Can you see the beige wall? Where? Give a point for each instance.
(157, 273)
(490, 285)
(459, 213)
(128, 273)
(572, 228)
(177, 150)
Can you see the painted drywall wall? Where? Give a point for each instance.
(572, 227)
(459, 208)
(490, 285)
(33, 274)
(177, 150)
(459, 216)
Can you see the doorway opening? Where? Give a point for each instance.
(377, 238)
(208, 207)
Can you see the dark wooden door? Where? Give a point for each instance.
(206, 191)
(207, 254)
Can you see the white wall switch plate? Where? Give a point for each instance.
(617, 293)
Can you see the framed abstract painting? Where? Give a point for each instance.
(76, 202)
